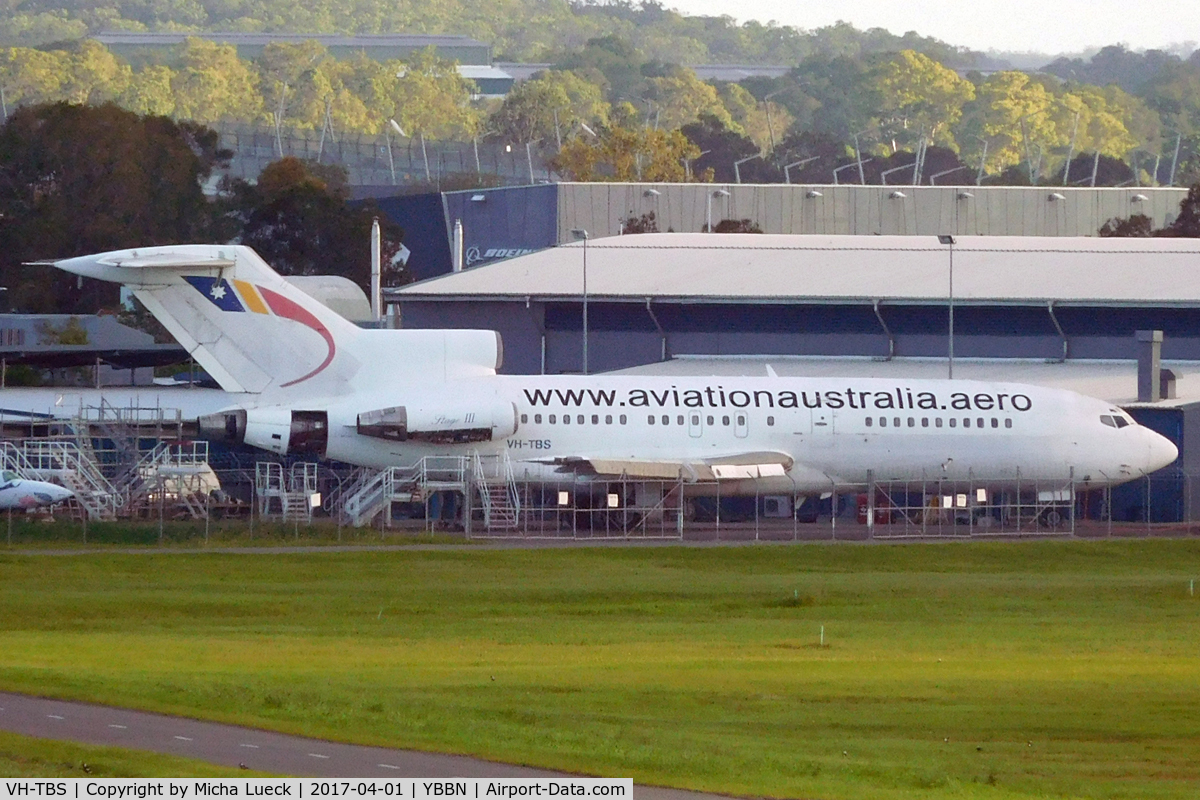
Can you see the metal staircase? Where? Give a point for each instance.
(177, 473)
(286, 495)
(498, 495)
(371, 494)
(63, 462)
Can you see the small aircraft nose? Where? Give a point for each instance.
(1162, 451)
(59, 494)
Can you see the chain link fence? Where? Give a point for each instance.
(385, 160)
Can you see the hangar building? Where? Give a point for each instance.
(1060, 311)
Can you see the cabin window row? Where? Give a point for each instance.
(651, 419)
(937, 422)
(578, 419)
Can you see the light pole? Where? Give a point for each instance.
(580, 233)
(949, 240)
(708, 210)
(787, 178)
(737, 166)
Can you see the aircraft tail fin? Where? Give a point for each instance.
(244, 324)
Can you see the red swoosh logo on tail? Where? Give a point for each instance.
(289, 309)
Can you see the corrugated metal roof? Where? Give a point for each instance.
(908, 269)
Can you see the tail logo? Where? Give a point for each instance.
(261, 300)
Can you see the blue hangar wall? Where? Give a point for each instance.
(497, 224)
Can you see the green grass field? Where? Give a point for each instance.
(26, 757)
(991, 670)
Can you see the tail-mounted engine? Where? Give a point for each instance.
(279, 430)
(441, 423)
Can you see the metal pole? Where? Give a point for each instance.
(1071, 150)
(951, 360)
(391, 159)
(425, 156)
(1175, 158)
(529, 159)
(585, 306)
(376, 270)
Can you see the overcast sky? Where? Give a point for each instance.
(1049, 26)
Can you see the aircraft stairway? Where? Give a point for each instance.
(286, 495)
(490, 479)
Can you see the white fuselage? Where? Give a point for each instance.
(832, 431)
(18, 493)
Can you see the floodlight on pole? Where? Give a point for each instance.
(580, 233)
(396, 127)
(737, 166)
(787, 178)
(708, 211)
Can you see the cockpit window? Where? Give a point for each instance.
(1121, 422)
(1107, 420)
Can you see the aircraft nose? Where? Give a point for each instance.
(61, 494)
(1162, 451)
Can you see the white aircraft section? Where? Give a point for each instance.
(388, 398)
(19, 493)
(252, 331)
(1112, 381)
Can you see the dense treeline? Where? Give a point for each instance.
(605, 109)
(519, 30)
(615, 104)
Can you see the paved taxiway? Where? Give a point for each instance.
(264, 751)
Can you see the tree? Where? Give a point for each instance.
(734, 226)
(94, 75)
(549, 105)
(611, 59)
(626, 154)
(430, 98)
(1012, 112)
(290, 84)
(763, 121)
(817, 155)
(719, 147)
(30, 76)
(833, 95)
(646, 223)
(921, 97)
(85, 179)
(681, 98)
(1188, 221)
(1137, 225)
(213, 84)
(297, 218)
(149, 92)
(1110, 171)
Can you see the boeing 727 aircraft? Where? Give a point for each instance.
(312, 383)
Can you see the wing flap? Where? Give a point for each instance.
(736, 466)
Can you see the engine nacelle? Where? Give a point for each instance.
(437, 422)
(274, 428)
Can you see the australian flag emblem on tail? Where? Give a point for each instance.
(218, 291)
